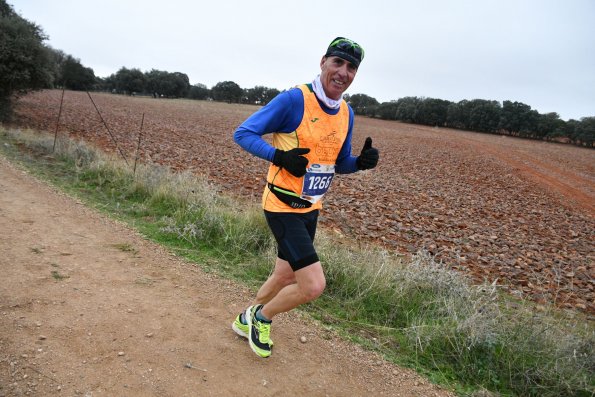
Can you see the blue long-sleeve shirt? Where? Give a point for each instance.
(284, 114)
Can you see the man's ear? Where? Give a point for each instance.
(322, 60)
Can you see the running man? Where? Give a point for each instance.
(312, 129)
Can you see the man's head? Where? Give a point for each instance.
(339, 66)
(347, 49)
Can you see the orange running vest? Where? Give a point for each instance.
(324, 135)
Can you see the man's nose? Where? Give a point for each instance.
(343, 70)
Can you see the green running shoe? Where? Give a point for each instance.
(259, 337)
(242, 329)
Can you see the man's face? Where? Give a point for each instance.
(336, 75)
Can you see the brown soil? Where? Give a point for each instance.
(496, 208)
(90, 308)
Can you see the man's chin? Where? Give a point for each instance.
(336, 94)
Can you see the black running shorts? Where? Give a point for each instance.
(294, 234)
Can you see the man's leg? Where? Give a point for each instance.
(310, 283)
(309, 286)
(294, 234)
(281, 277)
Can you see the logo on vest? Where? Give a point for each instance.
(315, 119)
(328, 147)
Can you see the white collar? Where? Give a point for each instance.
(320, 94)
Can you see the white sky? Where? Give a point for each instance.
(539, 52)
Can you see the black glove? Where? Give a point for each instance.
(292, 160)
(369, 156)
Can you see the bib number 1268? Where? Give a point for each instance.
(317, 180)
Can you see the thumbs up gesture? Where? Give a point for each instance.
(369, 156)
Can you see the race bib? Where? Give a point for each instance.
(317, 180)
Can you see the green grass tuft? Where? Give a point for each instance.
(58, 276)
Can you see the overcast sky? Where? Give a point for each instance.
(539, 52)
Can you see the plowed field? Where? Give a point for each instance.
(493, 207)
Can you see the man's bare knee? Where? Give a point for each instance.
(311, 281)
(313, 289)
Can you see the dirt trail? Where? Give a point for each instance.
(90, 308)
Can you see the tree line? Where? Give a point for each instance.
(26, 63)
(162, 84)
(480, 115)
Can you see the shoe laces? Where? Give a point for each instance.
(264, 331)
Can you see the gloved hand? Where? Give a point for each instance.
(369, 156)
(292, 160)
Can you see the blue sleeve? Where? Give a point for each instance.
(345, 161)
(283, 114)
